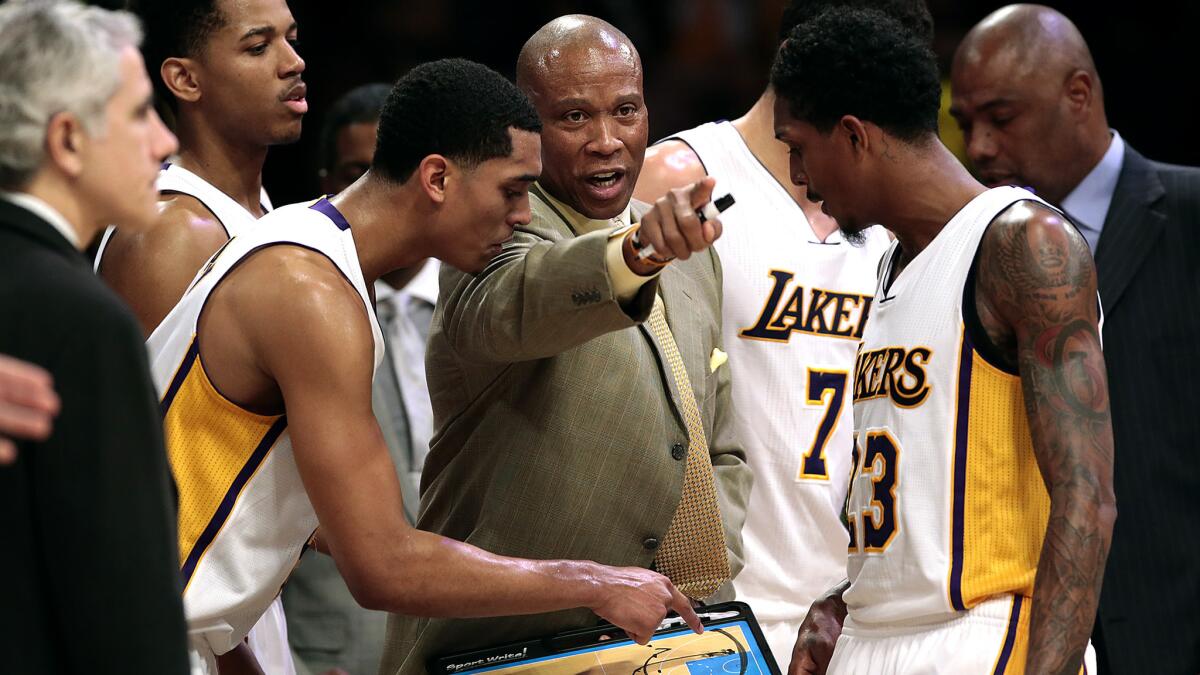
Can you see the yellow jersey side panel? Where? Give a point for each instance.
(214, 448)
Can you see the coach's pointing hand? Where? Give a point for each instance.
(672, 226)
(637, 600)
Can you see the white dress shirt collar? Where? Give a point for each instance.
(1088, 203)
(46, 212)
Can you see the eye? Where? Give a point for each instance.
(294, 42)
(258, 49)
(627, 110)
(574, 116)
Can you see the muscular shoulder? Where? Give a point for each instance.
(670, 164)
(186, 233)
(293, 289)
(1031, 255)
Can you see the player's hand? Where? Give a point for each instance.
(28, 404)
(636, 600)
(673, 227)
(818, 634)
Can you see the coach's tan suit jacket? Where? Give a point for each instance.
(558, 420)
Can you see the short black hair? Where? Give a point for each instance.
(357, 106)
(452, 107)
(859, 62)
(912, 14)
(179, 28)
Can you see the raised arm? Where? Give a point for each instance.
(317, 346)
(151, 269)
(1037, 283)
(541, 297)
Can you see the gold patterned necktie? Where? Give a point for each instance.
(692, 553)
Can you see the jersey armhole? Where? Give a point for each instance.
(972, 325)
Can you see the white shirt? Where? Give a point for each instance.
(44, 211)
(1088, 203)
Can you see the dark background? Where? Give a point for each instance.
(708, 59)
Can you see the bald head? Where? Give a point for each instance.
(1031, 39)
(1026, 94)
(585, 79)
(571, 40)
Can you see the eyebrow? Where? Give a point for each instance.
(994, 103)
(265, 30)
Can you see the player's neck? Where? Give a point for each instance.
(925, 193)
(232, 167)
(757, 128)
(386, 224)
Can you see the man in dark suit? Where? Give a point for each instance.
(1028, 97)
(563, 430)
(89, 536)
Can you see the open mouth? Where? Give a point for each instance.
(606, 185)
(606, 179)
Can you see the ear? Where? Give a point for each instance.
(180, 77)
(433, 173)
(855, 132)
(1080, 90)
(65, 141)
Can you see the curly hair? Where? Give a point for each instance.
(859, 62)
(912, 14)
(452, 107)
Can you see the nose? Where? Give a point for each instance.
(163, 143)
(981, 147)
(522, 215)
(799, 175)
(604, 140)
(291, 65)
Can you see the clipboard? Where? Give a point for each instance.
(732, 644)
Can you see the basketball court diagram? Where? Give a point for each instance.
(726, 650)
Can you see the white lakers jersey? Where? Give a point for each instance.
(232, 216)
(793, 314)
(947, 506)
(244, 516)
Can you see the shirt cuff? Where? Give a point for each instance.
(625, 282)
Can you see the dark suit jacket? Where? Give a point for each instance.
(1148, 266)
(557, 418)
(89, 577)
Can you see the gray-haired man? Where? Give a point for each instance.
(89, 536)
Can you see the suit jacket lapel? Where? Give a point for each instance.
(1131, 228)
(672, 285)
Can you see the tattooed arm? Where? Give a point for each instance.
(1036, 294)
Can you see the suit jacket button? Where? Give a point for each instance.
(678, 451)
(650, 543)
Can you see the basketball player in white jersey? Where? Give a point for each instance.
(229, 74)
(265, 368)
(796, 296)
(981, 504)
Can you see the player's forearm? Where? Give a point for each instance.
(439, 577)
(1070, 572)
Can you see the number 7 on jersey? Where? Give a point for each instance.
(828, 388)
